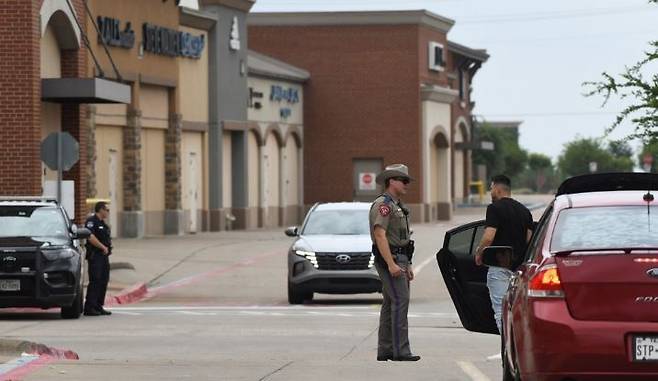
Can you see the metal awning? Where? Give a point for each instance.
(84, 90)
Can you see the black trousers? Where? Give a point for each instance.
(99, 276)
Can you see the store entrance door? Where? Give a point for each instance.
(364, 173)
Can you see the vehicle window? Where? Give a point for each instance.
(31, 222)
(461, 243)
(611, 227)
(337, 222)
(538, 236)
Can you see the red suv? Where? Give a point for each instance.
(583, 303)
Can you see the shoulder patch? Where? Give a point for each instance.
(384, 210)
(90, 224)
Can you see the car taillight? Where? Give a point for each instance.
(546, 283)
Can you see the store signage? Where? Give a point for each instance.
(111, 33)
(279, 94)
(285, 113)
(367, 181)
(170, 42)
(234, 42)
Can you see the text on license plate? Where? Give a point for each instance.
(646, 348)
(10, 285)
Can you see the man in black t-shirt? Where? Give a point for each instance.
(508, 223)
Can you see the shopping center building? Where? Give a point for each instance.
(185, 123)
(174, 135)
(385, 87)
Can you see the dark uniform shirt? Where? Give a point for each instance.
(100, 230)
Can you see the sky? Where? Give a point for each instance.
(541, 53)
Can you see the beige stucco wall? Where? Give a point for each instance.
(270, 111)
(154, 103)
(51, 59)
(227, 192)
(111, 114)
(291, 182)
(458, 164)
(193, 83)
(253, 169)
(109, 138)
(153, 169)
(436, 165)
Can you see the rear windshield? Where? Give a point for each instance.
(612, 227)
(339, 222)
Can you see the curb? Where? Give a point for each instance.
(129, 295)
(17, 347)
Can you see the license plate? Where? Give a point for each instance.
(645, 348)
(10, 285)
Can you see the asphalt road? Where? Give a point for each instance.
(222, 314)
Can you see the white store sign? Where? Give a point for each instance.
(367, 181)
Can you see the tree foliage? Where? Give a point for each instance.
(507, 158)
(643, 112)
(578, 154)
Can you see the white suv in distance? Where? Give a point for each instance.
(332, 253)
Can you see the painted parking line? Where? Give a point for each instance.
(420, 267)
(497, 356)
(20, 367)
(472, 371)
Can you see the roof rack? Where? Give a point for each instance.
(606, 182)
(28, 198)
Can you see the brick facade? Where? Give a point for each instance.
(20, 102)
(362, 99)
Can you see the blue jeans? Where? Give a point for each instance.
(497, 283)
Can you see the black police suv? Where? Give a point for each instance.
(41, 259)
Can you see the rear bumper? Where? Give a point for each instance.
(335, 281)
(554, 346)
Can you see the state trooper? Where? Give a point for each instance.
(99, 248)
(393, 249)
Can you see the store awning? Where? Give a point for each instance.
(84, 90)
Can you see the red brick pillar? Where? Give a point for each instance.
(20, 98)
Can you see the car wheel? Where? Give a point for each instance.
(294, 296)
(74, 310)
(308, 297)
(510, 374)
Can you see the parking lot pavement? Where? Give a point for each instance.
(221, 312)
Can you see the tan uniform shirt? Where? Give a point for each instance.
(388, 214)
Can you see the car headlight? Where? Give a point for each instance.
(60, 253)
(310, 256)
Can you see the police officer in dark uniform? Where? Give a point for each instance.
(393, 249)
(99, 248)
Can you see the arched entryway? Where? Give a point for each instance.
(440, 194)
(460, 162)
(291, 185)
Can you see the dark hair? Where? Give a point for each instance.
(99, 206)
(502, 180)
(387, 183)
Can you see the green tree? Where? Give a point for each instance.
(507, 157)
(643, 112)
(537, 161)
(578, 154)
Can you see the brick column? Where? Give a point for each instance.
(132, 217)
(174, 218)
(91, 152)
(20, 98)
(73, 122)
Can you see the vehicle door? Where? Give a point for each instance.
(467, 282)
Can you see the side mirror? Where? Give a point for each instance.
(82, 233)
(498, 256)
(292, 231)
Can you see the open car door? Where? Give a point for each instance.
(467, 282)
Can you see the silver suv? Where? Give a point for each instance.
(332, 253)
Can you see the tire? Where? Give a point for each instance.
(508, 373)
(75, 310)
(294, 296)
